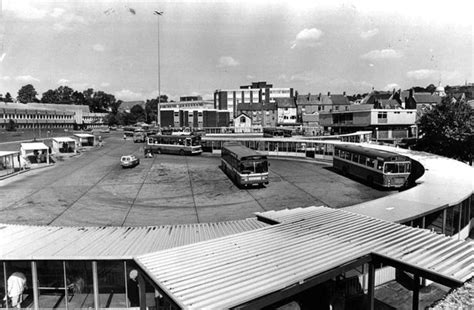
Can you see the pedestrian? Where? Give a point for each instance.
(16, 284)
(133, 291)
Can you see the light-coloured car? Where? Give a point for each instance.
(129, 161)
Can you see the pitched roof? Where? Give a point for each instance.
(285, 102)
(339, 99)
(240, 268)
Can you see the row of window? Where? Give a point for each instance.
(35, 116)
(36, 126)
(448, 221)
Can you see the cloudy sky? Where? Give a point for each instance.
(312, 46)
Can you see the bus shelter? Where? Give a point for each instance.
(64, 145)
(84, 139)
(9, 162)
(35, 152)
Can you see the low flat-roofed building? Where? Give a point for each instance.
(84, 139)
(386, 124)
(35, 152)
(63, 145)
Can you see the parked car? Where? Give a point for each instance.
(129, 161)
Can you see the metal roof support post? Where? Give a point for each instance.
(416, 292)
(142, 290)
(95, 281)
(5, 283)
(371, 280)
(34, 276)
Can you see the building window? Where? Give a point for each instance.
(242, 119)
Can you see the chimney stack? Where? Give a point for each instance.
(344, 93)
(329, 93)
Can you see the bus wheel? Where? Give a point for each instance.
(181, 152)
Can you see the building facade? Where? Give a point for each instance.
(45, 115)
(262, 114)
(386, 124)
(194, 118)
(257, 92)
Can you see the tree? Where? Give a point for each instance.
(11, 126)
(1, 98)
(78, 98)
(447, 130)
(137, 113)
(65, 94)
(8, 97)
(431, 88)
(50, 96)
(101, 101)
(27, 93)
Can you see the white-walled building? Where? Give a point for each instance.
(386, 124)
(243, 123)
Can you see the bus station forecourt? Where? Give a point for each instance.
(91, 189)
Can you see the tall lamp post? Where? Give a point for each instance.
(158, 116)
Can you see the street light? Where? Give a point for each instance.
(158, 121)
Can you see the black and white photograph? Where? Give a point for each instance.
(246, 154)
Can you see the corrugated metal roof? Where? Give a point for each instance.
(21, 242)
(232, 270)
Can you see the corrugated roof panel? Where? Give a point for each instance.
(232, 270)
(50, 242)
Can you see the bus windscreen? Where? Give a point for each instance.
(253, 166)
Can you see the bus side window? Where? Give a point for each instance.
(379, 165)
(370, 163)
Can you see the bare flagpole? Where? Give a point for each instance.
(158, 114)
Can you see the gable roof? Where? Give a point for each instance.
(237, 269)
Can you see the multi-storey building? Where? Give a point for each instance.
(286, 111)
(198, 118)
(386, 124)
(188, 105)
(47, 115)
(257, 92)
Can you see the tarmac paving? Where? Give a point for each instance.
(92, 189)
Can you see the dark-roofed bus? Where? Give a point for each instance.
(171, 144)
(382, 168)
(243, 165)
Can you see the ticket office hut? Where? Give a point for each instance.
(84, 139)
(35, 152)
(64, 145)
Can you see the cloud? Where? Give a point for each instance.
(250, 77)
(98, 47)
(391, 86)
(369, 33)
(382, 54)
(26, 79)
(5, 78)
(57, 12)
(63, 81)
(25, 10)
(104, 84)
(421, 74)
(307, 38)
(227, 61)
(128, 95)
